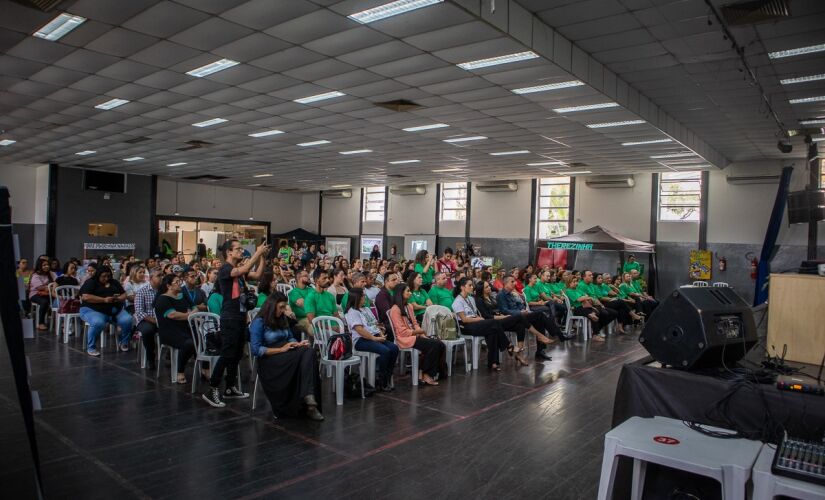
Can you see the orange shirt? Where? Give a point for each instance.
(404, 327)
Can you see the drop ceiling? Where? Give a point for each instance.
(658, 59)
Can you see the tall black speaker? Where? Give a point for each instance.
(700, 327)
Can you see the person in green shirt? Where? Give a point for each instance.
(631, 288)
(611, 300)
(359, 280)
(215, 301)
(319, 301)
(587, 285)
(425, 266)
(419, 299)
(582, 305)
(297, 300)
(438, 294)
(631, 265)
(285, 251)
(550, 293)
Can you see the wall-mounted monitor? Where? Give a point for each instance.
(108, 182)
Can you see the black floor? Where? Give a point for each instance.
(111, 430)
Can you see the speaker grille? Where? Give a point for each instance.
(720, 297)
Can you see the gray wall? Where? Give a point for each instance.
(76, 209)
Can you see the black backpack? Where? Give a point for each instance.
(339, 347)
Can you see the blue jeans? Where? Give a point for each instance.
(387, 354)
(97, 322)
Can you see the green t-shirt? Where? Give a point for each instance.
(574, 293)
(587, 289)
(532, 293)
(296, 294)
(261, 299)
(427, 277)
(441, 297)
(214, 303)
(637, 287)
(629, 266)
(320, 304)
(419, 297)
(285, 253)
(625, 290)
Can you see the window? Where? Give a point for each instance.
(103, 229)
(374, 199)
(454, 201)
(553, 216)
(679, 196)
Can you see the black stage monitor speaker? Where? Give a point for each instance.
(700, 327)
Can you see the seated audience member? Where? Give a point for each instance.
(487, 308)
(337, 288)
(192, 291)
(371, 290)
(23, 271)
(582, 305)
(420, 299)
(408, 268)
(532, 294)
(368, 335)
(145, 320)
(474, 324)
(297, 302)
(265, 286)
(134, 282)
(520, 276)
(359, 280)
(447, 265)
(69, 276)
(510, 303)
(611, 300)
(498, 284)
(425, 266)
(39, 290)
(172, 310)
(438, 293)
(319, 302)
(408, 334)
(56, 268)
(631, 288)
(102, 300)
(287, 369)
(588, 286)
(215, 301)
(384, 301)
(211, 278)
(551, 292)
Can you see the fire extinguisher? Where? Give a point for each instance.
(754, 264)
(723, 262)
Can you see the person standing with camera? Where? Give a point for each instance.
(232, 284)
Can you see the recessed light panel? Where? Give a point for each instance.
(266, 133)
(643, 143)
(59, 27)
(548, 87)
(466, 139)
(587, 107)
(508, 153)
(494, 61)
(797, 52)
(6, 142)
(802, 79)
(134, 158)
(319, 97)
(209, 123)
(805, 100)
(85, 153)
(390, 9)
(313, 143)
(178, 164)
(425, 127)
(615, 124)
(112, 103)
(212, 68)
(355, 151)
(403, 162)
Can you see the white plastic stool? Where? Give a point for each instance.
(671, 443)
(766, 485)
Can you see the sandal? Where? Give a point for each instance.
(511, 349)
(428, 383)
(522, 361)
(496, 368)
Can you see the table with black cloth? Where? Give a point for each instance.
(648, 391)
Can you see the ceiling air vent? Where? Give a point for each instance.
(195, 145)
(206, 177)
(755, 11)
(44, 5)
(577, 164)
(136, 140)
(399, 105)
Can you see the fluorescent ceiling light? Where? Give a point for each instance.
(341, 186)
(465, 139)
(818, 139)
(642, 143)
(7, 142)
(86, 153)
(807, 99)
(586, 107)
(802, 79)
(818, 121)
(266, 133)
(178, 164)
(797, 52)
(494, 61)
(545, 163)
(262, 175)
(402, 162)
(313, 143)
(319, 97)
(442, 170)
(254, 186)
(507, 153)
(112, 103)
(212, 68)
(615, 124)
(59, 26)
(133, 158)
(355, 151)
(208, 123)
(579, 172)
(674, 155)
(425, 127)
(390, 9)
(549, 86)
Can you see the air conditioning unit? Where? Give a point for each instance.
(493, 186)
(409, 190)
(610, 181)
(337, 193)
(752, 179)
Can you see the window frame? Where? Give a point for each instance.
(450, 192)
(695, 210)
(553, 181)
(366, 211)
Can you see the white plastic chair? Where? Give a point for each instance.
(721, 284)
(402, 352)
(699, 283)
(323, 326)
(173, 355)
(584, 322)
(250, 315)
(200, 324)
(474, 340)
(432, 313)
(369, 360)
(283, 288)
(64, 293)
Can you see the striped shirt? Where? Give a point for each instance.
(144, 300)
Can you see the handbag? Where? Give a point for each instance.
(68, 306)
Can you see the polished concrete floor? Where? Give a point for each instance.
(109, 429)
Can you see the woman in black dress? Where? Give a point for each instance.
(287, 369)
(172, 310)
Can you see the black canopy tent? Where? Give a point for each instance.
(599, 239)
(299, 234)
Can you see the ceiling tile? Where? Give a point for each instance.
(262, 14)
(211, 34)
(121, 42)
(164, 19)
